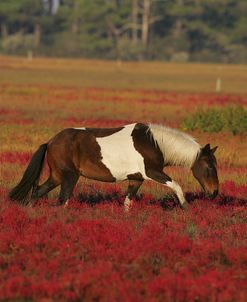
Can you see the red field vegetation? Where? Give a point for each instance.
(93, 250)
(102, 253)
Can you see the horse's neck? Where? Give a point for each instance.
(178, 158)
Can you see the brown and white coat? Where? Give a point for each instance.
(134, 152)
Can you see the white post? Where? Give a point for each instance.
(218, 85)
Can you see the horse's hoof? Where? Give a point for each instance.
(185, 206)
(126, 209)
(128, 203)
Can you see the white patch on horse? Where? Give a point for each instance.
(82, 128)
(119, 154)
(177, 189)
(128, 203)
(178, 148)
(66, 204)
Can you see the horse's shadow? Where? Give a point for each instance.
(168, 202)
(97, 198)
(191, 197)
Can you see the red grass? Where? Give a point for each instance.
(15, 157)
(93, 250)
(95, 122)
(231, 189)
(101, 253)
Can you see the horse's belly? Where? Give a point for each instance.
(121, 167)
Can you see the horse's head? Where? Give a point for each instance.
(204, 170)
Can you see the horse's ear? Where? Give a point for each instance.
(206, 148)
(214, 149)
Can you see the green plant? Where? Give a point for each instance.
(233, 119)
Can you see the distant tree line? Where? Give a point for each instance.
(172, 30)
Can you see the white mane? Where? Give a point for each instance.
(178, 148)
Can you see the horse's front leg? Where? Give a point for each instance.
(166, 180)
(133, 187)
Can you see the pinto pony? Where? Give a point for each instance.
(134, 152)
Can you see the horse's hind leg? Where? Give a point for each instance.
(69, 181)
(47, 186)
(133, 187)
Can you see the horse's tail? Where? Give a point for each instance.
(30, 176)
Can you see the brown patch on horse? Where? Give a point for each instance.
(133, 188)
(60, 153)
(77, 151)
(102, 132)
(135, 176)
(145, 145)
